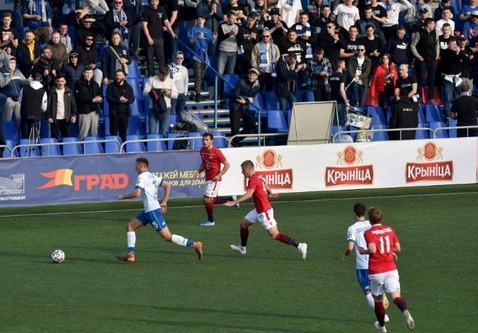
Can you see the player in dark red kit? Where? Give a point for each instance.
(382, 243)
(262, 212)
(211, 161)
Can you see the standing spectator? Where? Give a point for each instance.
(227, 40)
(90, 27)
(355, 240)
(470, 27)
(425, 48)
(452, 60)
(239, 10)
(347, 14)
(382, 270)
(65, 38)
(59, 53)
(96, 6)
(135, 9)
(315, 13)
(262, 213)
(471, 61)
(154, 20)
(382, 86)
(48, 67)
(325, 18)
(214, 165)
(87, 55)
(294, 45)
(9, 36)
(290, 10)
(464, 109)
(73, 70)
(445, 37)
(246, 39)
(202, 40)
(329, 40)
(180, 76)
(359, 68)
(419, 23)
(18, 13)
(277, 27)
(115, 56)
(286, 86)
(264, 58)
(437, 14)
(379, 13)
(406, 85)
(244, 94)
(147, 187)
(467, 10)
(399, 47)
(306, 34)
(321, 70)
(211, 11)
(349, 44)
(88, 97)
(118, 19)
(338, 82)
(162, 89)
(37, 17)
(446, 19)
(171, 8)
(374, 46)
(27, 52)
(34, 102)
(119, 96)
(11, 83)
(366, 20)
(61, 111)
(394, 8)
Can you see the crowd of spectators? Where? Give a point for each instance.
(296, 46)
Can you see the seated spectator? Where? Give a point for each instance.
(59, 52)
(114, 56)
(27, 52)
(37, 17)
(61, 110)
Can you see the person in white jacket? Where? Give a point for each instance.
(394, 8)
(162, 89)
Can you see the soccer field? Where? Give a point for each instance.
(268, 290)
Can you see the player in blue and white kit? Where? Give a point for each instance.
(147, 186)
(355, 240)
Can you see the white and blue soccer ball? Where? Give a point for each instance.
(58, 256)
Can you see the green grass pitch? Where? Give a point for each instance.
(268, 290)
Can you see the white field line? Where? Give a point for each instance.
(275, 202)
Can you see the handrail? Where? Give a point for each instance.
(453, 127)
(340, 133)
(9, 149)
(260, 136)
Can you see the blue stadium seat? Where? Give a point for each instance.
(92, 145)
(421, 134)
(75, 129)
(452, 132)
(155, 145)
(133, 70)
(335, 129)
(137, 109)
(379, 135)
(138, 93)
(378, 117)
(50, 147)
(45, 129)
(72, 146)
(433, 113)
(10, 131)
(28, 151)
(307, 96)
(276, 122)
(173, 119)
(196, 143)
(135, 127)
(219, 139)
(258, 104)
(7, 152)
(230, 81)
(132, 147)
(113, 147)
(271, 100)
(440, 133)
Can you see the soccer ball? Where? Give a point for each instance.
(58, 256)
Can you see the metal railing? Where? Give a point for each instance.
(370, 138)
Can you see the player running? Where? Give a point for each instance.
(147, 186)
(262, 213)
(382, 243)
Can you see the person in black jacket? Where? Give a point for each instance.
(61, 115)
(34, 102)
(24, 56)
(465, 110)
(287, 71)
(244, 94)
(119, 96)
(88, 56)
(88, 96)
(114, 56)
(118, 19)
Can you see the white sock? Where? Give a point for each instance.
(370, 300)
(131, 239)
(180, 240)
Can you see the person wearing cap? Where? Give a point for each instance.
(73, 70)
(11, 82)
(244, 94)
(470, 27)
(276, 27)
(467, 10)
(426, 49)
(89, 26)
(180, 76)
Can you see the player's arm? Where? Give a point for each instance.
(246, 196)
(136, 193)
(348, 250)
(200, 169)
(397, 247)
(372, 249)
(223, 170)
(167, 190)
(269, 192)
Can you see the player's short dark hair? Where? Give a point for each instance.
(247, 164)
(208, 135)
(360, 209)
(143, 160)
(375, 215)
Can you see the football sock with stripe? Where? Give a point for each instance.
(131, 240)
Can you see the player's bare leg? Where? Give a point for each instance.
(401, 303)
(244, 234)
(286, 239)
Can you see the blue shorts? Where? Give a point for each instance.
(154, 217)
(362, 278)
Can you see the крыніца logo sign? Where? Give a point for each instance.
(274, 176)
(111, 181)
(431, 169)
(350, 174)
